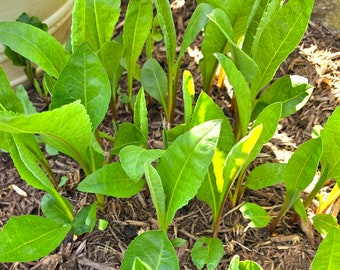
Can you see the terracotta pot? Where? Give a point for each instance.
(56, 14)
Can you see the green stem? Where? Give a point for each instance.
(289, 200)
(171, 96)
(238, 189)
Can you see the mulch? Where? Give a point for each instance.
(317, 58)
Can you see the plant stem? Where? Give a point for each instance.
(171, 96)
(62, 203)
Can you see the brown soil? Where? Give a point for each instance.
(317, 57)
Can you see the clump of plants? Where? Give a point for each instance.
(206, 156)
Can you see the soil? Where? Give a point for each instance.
(317, 58)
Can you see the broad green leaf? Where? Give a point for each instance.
(85, 220)
(197, 21)
(138, 21)
(205, 110)
(324, 223)
(327, 256)
(330, 136)
(184, 164)
(25, 153)
(138, 264)
(169, 136)
(128, 134)
(237, 157)
(207, 251)
(9, 101)
(278, 39)
(292, 91)
(132, 159)
(28, 238)
(301, 167)
(237, 12)
(265, 175)
(167, 25)
(269, 119)
(102, 224)
(157, 192)
(263, 14)
(214, 41)
(36, 45)
(155, 82)
(110, 55)
(242, 61)
(188, 95)
(300, 209)
(152, 248)
(241, 89)
(84, 78)
(93, 22)
(67, 129)
(258, 216)
(52, 209)
(140, 113)
(111, 180)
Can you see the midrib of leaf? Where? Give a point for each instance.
(275, 54)
(32, 240)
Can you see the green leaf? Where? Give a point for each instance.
(9, 101)
(154, 249)
(183, 166)
(205, 110)
(84, 78)
(235, 264)
(110, 55)
(157, 192)
(237, 157)
(330, 136)
(214, 41)
(93, 22)
(301, 167)
(67, 129)
(258, 216)
(132, 159)
(188, 95)
(269, 119)
(128, 134)
(138, 22)
(292, 91)
(111, 180)
(265, 175)
(167, 25)
(140, 113)
(324, 223)
(197, 21)
(278, 39)
(155, 82)
(241, 89)
(242, 61)
(207, 251)
(102, 224)
(25, 152)
(52, 209)
(34, 44)
(28, 238)
(85, 220)
(327, 256)
(263, 14)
